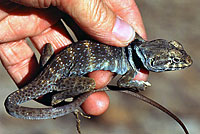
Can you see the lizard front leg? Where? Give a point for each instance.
(127, 81)
(47, 53)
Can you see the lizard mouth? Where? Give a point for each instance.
(188, 61)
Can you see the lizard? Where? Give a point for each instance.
(65, 73)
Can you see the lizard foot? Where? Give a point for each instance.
(135, 85)
(78, 121)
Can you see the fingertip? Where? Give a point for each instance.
(19, 61)
(142, 75)
(123, 31)
(100, 22)
(96, 104)
(101, 77)
(129, 12)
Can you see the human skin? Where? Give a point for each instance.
(104, 20)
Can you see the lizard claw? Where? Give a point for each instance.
(140, 85)
(147, 84)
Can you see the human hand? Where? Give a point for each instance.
(96, 17)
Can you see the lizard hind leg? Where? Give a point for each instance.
(70, 87)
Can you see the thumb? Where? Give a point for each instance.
(94, 17)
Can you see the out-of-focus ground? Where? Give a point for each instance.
(179, 91)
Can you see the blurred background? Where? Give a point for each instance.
(178, 91)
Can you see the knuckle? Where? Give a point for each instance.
(100, 15)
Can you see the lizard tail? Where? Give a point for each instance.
(153, 103)
(17, 111)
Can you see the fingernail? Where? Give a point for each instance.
(123, 31)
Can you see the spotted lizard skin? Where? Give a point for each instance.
(66, 72)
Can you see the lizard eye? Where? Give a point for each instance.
(176, 60)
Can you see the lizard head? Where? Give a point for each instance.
(160, 55)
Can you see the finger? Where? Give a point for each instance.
(95, 18)
(26, 22)
(19, 60)
(16, 56)
(102, 78)
(129, 12)
(55, 35)
(98, 103)
(142, 75)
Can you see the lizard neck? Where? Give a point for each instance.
(133, 59)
